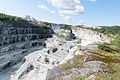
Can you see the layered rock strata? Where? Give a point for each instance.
(18, 39)
(29, 55)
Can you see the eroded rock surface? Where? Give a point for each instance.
(38, 57)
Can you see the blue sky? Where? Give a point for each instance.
(76, 12)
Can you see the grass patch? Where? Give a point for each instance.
(109, 54)
(42, 26)
(116, 41)
(81, 77)
(112, 68)
(67, 66)
(4, 17)
(77, 62)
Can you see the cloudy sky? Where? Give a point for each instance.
(76, 12)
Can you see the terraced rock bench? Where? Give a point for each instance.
(18, 40)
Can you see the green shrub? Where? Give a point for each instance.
(109, 30)
(4, 17)
(67, 27)
(116, 41)
(80, 26)
(103, 47)
(48, 24)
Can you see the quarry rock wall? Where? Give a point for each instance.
(92, 36)
(10, 35)
(18, 39)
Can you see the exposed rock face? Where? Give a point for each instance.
(45, 54)
(18, 39)
(70, 36)
(56, 27)
(90, 37)
(10, 35)
(45, 59)
(90, 67)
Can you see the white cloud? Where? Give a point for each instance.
(52, 12)
(93, 0)
(43, 7)
(77, 11)
(77, 1)
(71, 7)
(68, 6)
(67, 18)
(48, 1)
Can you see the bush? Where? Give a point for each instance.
(67, 27)
(47, 24)
(109, 30)
(116, 41)
(103, 47)
(4, 17)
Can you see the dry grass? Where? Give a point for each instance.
(77, 62)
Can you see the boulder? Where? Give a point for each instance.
(70, 36)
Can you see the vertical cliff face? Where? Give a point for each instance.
(56, 27)
(9, 35)
(12, 33)
(18, 39)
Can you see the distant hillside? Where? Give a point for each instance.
(111, 31)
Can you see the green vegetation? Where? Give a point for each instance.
(103, 47)
(18, 20)
(80, 26)
(109, 54)
(116, 68)
(109, 30)
(105, 50)
(41, 26)
(4, 17)
(112, 68)
(47, 24)
(67, 27)
(81, 77)
(114, 30)
(67, 66)
(98, 77)
(116, 41)
(77, 62)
